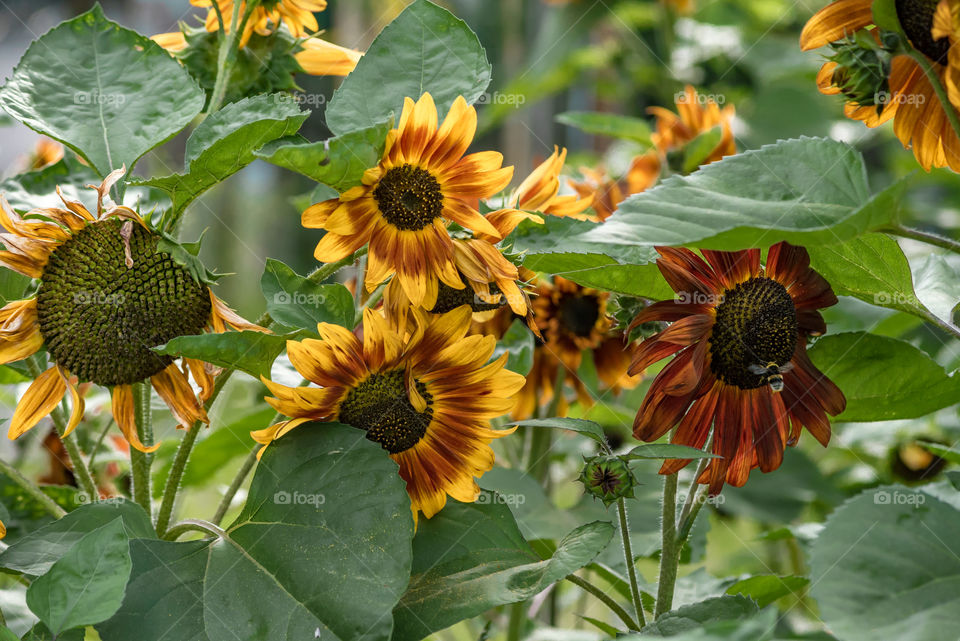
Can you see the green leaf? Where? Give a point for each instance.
(518, 342)
(322, 546)
(425, 48)
(338, 162)
(758, 627)
(579, 425)
(36, 553)
(666, 450)
(871, 268)
(471, 557)
(937, 283)
(608, 124)
(696, 152)
(887, 566)
(40, 632)
(38, 188)
(7, 635)
(767, 588)
(106, 92)
(911, 385)
(778, 192)
(225, 142)
(688, 618)
(297, 302)
(87, 584)
(252, 352)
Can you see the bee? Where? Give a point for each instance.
(772, 374)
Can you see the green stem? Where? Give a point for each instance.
(669, 550)
(238, 480)
(140, 462)
(607, 601)
(100, 439)
(692, 504)
(934, 79)
(541, 439)
(32, 489)
(228, 45)
(192, 525)
(628, 559)
(925, 237)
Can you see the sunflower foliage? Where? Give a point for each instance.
(700, 385)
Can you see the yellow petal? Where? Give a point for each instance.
(43, 395)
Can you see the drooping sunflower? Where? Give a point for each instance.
(267, 16)
(739, 332)
(427, 398)
(919, 119)
(106, 295)
(571, 320)
(403, 207)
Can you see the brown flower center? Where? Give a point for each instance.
(381, 407)
(579, 314)
(99, 318)
(449, 298)
(409, 197)
(916, 18)
(756, 324)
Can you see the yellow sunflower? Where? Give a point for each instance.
(919, 119)
(105, 297)
(427, 398)
(266, 17)
(405, 202)
(572, 319)
(540, 190)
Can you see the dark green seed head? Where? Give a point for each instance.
(409, 197)
(380, 406)
(607, 478)
(756, 324)
(99, 318)
(916, 18)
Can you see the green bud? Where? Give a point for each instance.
(863, 69)
(607, 478)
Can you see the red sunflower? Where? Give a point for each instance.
(739, 335)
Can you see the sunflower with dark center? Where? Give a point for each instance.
(739, 332)
(402, 209)
(106, 296)
(572, 320)
(267, 16)
(906, 96)
(426, 396)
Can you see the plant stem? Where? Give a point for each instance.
(238, 480)
(924, 237)
(541, 439)
(609, 602)
(628, 559)
(140, 462)
(192, 525)
(690, 506)
(225, 61)
(32, 489)
(669, 550)
(934, 79)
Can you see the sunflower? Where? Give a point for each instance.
(404, 203)
(571, 320)
(426, 398)
(266, 17)
(540, 191)
(919, 119)
(696, 114)
(45, 153)
(606, 193)
(105, 297)
(739, 332)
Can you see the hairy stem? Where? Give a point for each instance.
(238, 480)
(140, 462)
(32, 489)
(628, 559)
(670, 548)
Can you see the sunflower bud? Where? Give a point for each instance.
(862, 70)
(607, 478)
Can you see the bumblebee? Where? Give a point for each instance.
(772, 374)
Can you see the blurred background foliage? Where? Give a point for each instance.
(550, 58)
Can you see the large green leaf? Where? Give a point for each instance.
(589, 429)
(887, 566)
(252, 352)
(322, 547)
(224, 143)
(38, 188)
(86, 585)
(297, 302)
(808, 191)
(691, 617)
(911, 384)
(107, 92)
(871, 268)
(338, 162)
(425, 49)
(36, 553)
(471, 557)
